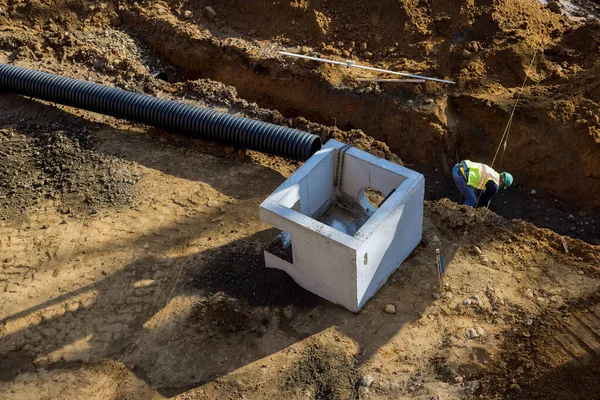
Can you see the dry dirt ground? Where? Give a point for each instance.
(131, 258)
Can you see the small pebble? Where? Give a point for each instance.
(210, 12)
(520, 370)
(436, 295)
(478, 301)
(516, 388)
(366, 381)
(390, 309)
(472, 333)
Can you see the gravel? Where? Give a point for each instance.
(42, 163)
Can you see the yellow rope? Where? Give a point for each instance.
(512, 114)
(503, 140)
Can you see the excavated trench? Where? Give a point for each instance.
(426, 124)
(553, 147)
(429, 126)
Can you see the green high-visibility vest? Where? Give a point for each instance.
(480, 174)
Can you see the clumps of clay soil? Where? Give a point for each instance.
(240, 273)
(458, 216)
(323, 373)
(47, 164)
(220, 314)
(533, 363)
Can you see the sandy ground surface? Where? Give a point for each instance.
(131, 258)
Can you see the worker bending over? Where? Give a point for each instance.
(476, 179)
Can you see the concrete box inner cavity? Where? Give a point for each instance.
(349, 254)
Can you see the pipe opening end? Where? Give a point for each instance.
(315, 145)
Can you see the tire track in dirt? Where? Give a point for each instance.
(61, 257)
(165, 290)
(580, 336)
(160, 299)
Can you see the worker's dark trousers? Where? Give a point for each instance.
(467, 191)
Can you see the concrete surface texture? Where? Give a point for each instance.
(346, 259)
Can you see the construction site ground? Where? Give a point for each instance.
(131, 259)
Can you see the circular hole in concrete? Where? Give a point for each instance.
(374, 196)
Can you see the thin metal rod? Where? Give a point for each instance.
(391, 80)
(350, 63)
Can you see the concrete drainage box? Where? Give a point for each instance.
(335, 243)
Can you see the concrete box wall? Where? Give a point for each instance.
(346, 270)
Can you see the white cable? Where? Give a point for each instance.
(350, 63)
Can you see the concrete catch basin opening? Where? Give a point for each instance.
(335, 242)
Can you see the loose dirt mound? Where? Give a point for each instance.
(323, 372)
(49, 165)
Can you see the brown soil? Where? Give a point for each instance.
(131, 259)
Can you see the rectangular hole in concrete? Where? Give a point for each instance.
(281, 247)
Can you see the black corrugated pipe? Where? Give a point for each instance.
(171, 115)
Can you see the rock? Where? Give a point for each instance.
(436, 239)
(580, 123)
(529, 365)
(210, 12)
(478, 251)
(436, 295)
(478, 301)
(516, 388)
(571, 216)
(187, 14)
(484, 260)
(555, 7)
(529, 322)
(390, 309)
(480, 331)
(368, 55)
(474, 47)
(533, 191)
(363, 46)
(366, 381)
(520, 370)
(471, 387)
(467, 302)
(472, 333)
